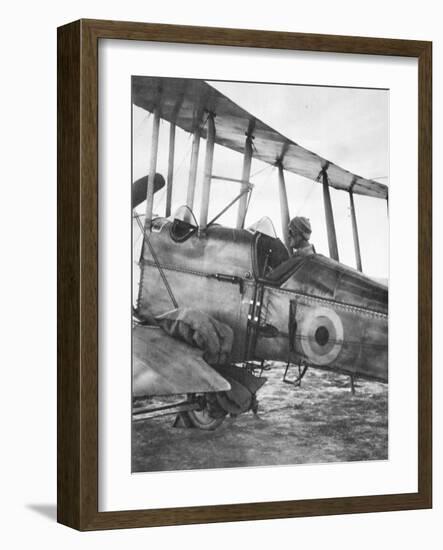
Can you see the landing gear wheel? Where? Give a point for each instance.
(209, 416)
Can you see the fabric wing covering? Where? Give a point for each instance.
(187, 102)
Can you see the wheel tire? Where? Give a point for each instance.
(209, 417)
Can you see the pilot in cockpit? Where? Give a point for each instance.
(299, 230)
(299, 234)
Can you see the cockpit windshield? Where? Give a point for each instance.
(263, 225)
(184, 214)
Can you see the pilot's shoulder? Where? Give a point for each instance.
(305, 251)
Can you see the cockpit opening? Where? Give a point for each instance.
(269, 253)
(183, 224)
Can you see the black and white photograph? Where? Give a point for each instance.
(223, 221)
(260, 271)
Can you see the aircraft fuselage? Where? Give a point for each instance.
(310, 310)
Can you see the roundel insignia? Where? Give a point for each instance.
(321, 335)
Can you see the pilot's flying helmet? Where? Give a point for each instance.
(301, 225)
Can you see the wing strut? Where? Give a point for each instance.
(170, 179)
(210, 141)
(284, 207)
(193, 170)
(355, 232)
(329, 215)
(170, 169)
(152, 168)
(246, 174)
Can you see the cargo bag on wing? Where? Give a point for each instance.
(215, 339)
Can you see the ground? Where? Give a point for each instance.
(320, 421)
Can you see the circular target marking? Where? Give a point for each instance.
(321, 332)
(322, 336)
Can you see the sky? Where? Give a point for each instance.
(348, 126)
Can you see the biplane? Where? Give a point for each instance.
(242, 283)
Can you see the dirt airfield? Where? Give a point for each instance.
(320, 421)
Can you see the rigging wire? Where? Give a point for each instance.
(180, 165)
(135, 243)
(137, 131)
(269, 167)
(157, 264)
(305, 200)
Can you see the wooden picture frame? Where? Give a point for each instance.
(78, 273)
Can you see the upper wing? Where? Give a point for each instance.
(185, 101)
